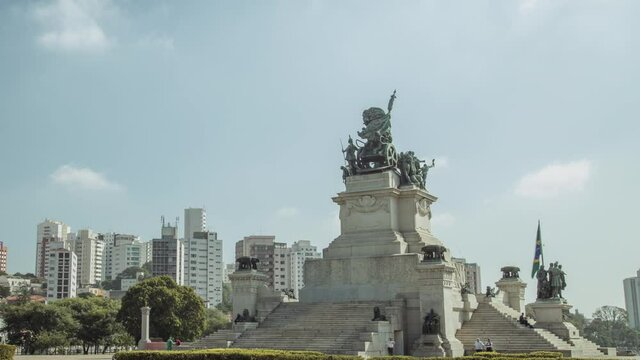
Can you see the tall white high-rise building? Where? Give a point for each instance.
(296, 256)
(195, 220)
(203, 266)
(168, 254)
(122, 251)
(62, 272)
(89, 249)
(632, 300)
(48, 231)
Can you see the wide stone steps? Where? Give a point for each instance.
(505, 333)
(499, 322)
(336, 328)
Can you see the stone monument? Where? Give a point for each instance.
(144, 328)
(550, 307)
(385, 232)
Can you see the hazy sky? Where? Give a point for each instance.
(113, 113)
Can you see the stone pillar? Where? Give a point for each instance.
(437, 292)
(549, 315)
(144, 328)
(513, 292)
(246, 284)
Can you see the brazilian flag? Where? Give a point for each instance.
(538, 254)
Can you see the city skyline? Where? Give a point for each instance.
(115, 113)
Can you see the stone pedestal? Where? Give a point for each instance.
(513, 292)
(549, 315)
(144, 328)
(438, 292)
(429, 346)
(378, 218)
(246, 284)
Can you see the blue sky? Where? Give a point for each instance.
(113, 113)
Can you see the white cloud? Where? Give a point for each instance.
(443, 220)
(287, 212)
(555, 179)
(73, 25)
(83, 178)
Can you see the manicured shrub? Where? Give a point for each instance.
(7, 351)
(229, 354)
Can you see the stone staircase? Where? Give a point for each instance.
(334, 328)
(219, 339)
(496, 321)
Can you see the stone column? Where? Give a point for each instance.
(245, 284)
(513, 292)
(144, 328)
(437, 292)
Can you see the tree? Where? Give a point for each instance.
(24, 322)
(148, 266)
(46, 340)
(5, 291)
(96, 318)
(216, 320)
(131, 272)
(578, 320)
(226, 306)
(175, 310)
(609, 328)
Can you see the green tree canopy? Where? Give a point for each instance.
(176, 310)
(609, 328)
(96, 319)
(36, 318)
(226, 306)
(216, 320)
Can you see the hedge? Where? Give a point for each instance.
(230, 354)
(268, 354)
(7, 351)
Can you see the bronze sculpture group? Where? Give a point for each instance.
(375, 152)
(551, 282)
(247, 263)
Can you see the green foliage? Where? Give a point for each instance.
(7, 351)
(216, 320)
(609, 328)
(34, 318)
(230, 354)
(226, 306)
(148, 267)
(95, 318)
(5, 291)
(578, 320)
(50, 339)
(130, 272)
(176, 311)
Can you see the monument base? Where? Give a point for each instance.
(429, 346)
(549, 315)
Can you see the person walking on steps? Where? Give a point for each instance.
(390, 345)
(488, 345)
(479, 345)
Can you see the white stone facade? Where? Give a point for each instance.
(89, 249)
(62, 274)
(203, 266)
(48, 231)
(297, 255)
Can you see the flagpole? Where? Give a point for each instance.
(541, 246)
